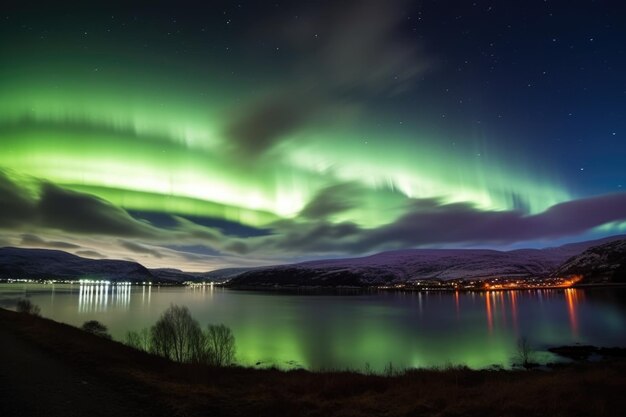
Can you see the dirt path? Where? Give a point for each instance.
(34, 383)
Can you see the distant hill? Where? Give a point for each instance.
(56, 264)
(45, 263)
(603, 263)
(415, 264)
(176, 275)
(172, 275)
(605, 260)
(220, 275)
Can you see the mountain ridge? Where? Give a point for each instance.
(382, 268)
(57, 264)
(603, 263)
(418, 264)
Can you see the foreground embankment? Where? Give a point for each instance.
(49, 368)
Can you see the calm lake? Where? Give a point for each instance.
(350, 330)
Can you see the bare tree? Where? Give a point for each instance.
(525, 352)
(177, 336)
(219, 345)
(26, 306)
(139, 340)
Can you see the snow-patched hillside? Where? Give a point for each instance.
(415, 264)
(20, 263)
(49, 264)
(403, 266)
(605, 262)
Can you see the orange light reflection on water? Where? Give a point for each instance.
(489, 312)
(513, 296)
(573, 298)
(503, 307)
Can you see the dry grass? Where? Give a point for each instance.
(190, 390)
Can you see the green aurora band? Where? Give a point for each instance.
(145, 147)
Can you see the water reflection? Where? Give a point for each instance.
(573, 298)
(97, 297)
(207, 290)
(337, 331)
(488, 312)
(500, 304)
(513, 298)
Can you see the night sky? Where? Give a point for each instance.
(248, 133)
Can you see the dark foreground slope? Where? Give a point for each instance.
(185, 390)
(34, 382)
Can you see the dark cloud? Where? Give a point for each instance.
(310, 237)
(139, 248)
(341, 55)
(580, 215)
(188, 228)
(230, 244)
(90, 254)
(331, 200)
(76, 212)
(83, 214)
(237, 246)
(34, 240)
(194, 256)
(258, 126)
(17, 205)
(70, 211)
(355, 46)
(426, 222)
(195, 249)
(430, 223)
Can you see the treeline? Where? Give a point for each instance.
(178, 337)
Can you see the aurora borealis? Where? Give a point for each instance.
(246, 133)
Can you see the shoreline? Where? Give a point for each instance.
(321, 289)
(296, 289)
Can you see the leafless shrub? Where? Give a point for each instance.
(390, 370)
(26, 306)
(139, 340)
(97, 328)
(525, 352)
